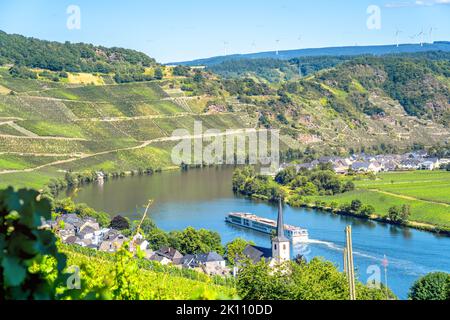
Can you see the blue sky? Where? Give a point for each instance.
(175, 30)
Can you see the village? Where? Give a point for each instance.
(87, 233)
(363, 163)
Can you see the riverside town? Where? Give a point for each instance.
(159, 154)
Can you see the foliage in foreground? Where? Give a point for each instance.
(433, 286)
(316, 280)
(32, 267)
(23, 246)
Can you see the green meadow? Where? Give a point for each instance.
(424, 185)
(427, 192)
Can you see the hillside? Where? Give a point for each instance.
(80, 57)
(317, 52)
(46, 127)
(364, 102)
(275, 70)
(87, 122)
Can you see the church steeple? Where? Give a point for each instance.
(280, 221)
(281, 250)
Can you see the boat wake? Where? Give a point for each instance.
(410, 268)
(328, 244)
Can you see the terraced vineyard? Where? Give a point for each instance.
(47, 128)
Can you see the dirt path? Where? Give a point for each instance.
(41, 138)
(409, 198)
(120, 119)
(37, 154)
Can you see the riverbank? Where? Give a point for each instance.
(409, 224)
(415, 199)
(377, 218)
(323, 203)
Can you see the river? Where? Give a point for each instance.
(203, 198)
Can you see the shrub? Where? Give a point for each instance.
(120, 223)
(29, 257)
(433, 286)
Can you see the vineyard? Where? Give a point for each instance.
(53, 126)
(156, 282)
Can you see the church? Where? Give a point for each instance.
(281, 245)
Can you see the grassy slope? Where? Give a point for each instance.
(426, 192)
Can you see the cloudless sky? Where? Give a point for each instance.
(177, 30)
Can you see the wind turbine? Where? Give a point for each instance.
(225, 46)
(397, 33)
(421, 34)
(278, 43)
(431, 34)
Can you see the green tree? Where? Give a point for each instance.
(157, 239)
(405, 213)
(309, 189)
(191, 242)
(198, 77)
(159, 74)
(212, 241)
(394, 214)
(260, 282)
(235, 249)
(349, 186)
(367, 210)
(433, 286)
(286, 176)
(356, 205)
(120, 223)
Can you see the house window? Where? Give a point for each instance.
(284, 247)
(275, 247)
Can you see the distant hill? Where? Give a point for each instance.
(331, 51)
(276, 70)
(71, 57)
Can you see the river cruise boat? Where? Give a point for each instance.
(251, 221)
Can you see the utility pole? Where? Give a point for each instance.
(345, 260)
(348, 263)
(385, 265)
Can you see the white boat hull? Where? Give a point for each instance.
(298, 237)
